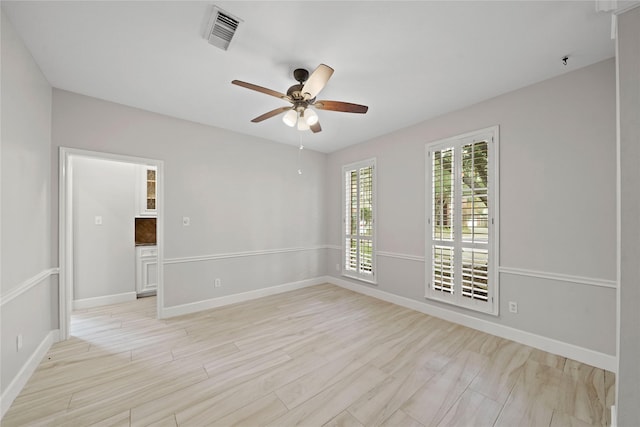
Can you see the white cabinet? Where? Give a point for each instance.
(146, 191)
(146, 270)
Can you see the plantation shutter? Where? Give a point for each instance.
(475, 220)
(443, 191)
(460, 223)
(358, 220)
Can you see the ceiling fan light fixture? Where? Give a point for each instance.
(302, 124)
(290, 118)
(310, 117)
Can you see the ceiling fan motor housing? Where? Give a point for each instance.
(301, 75)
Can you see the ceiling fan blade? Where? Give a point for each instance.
(316, 81)
(261, 89)
(345, 107)
(315, 128)
(270, 114)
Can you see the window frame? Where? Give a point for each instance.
(369, 278)
(491, 306)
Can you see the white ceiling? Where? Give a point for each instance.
(408, 61)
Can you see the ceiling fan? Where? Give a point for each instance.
(302, 96)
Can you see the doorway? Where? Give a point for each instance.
(70, 161)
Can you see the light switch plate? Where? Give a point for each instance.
(186, 221)
(98, 220)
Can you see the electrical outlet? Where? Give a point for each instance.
(513, 306)
(19, 342)
(217, 283)
(186, 221)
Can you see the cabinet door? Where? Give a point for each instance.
(146, 269)
(150, 201)
(149, 274)
(147, 191)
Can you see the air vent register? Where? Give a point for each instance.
(222, 27)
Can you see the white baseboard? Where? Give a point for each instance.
(194, 307)
(581, 354)
(81, 304)
(18, 383)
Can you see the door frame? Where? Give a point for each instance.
(65, 224)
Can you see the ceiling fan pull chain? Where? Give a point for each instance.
(300, 155)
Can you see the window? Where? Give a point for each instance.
(462, 222)
(359, 220)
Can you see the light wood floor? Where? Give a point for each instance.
(317, 356)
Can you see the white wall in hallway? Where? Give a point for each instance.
(104, 254)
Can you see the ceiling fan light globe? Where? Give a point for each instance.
(310, 117)
(302, 125)
(290, 118)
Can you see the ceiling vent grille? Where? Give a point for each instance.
(222, 27)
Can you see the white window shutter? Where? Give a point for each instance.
(461, 232)
(359, 220)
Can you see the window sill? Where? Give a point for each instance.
(359, 278)
(491, 311)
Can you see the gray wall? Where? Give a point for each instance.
(25, 198)
(104, 255)
(243, 195)
(557, 205)
(628, 384)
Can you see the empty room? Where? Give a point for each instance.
(320, 213)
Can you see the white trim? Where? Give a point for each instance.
(581, 354)
(65, 224)
(27, 284)
(560, 277)
(19, 381)
(80, 304)
(227, 255)
(407, 257)
(624, 9)
(614, 416)
(194, 307)
(616, 7)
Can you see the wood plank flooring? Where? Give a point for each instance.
(319, 356)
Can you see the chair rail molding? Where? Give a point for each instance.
(28, 284)
(580, 280)
(227, 255)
